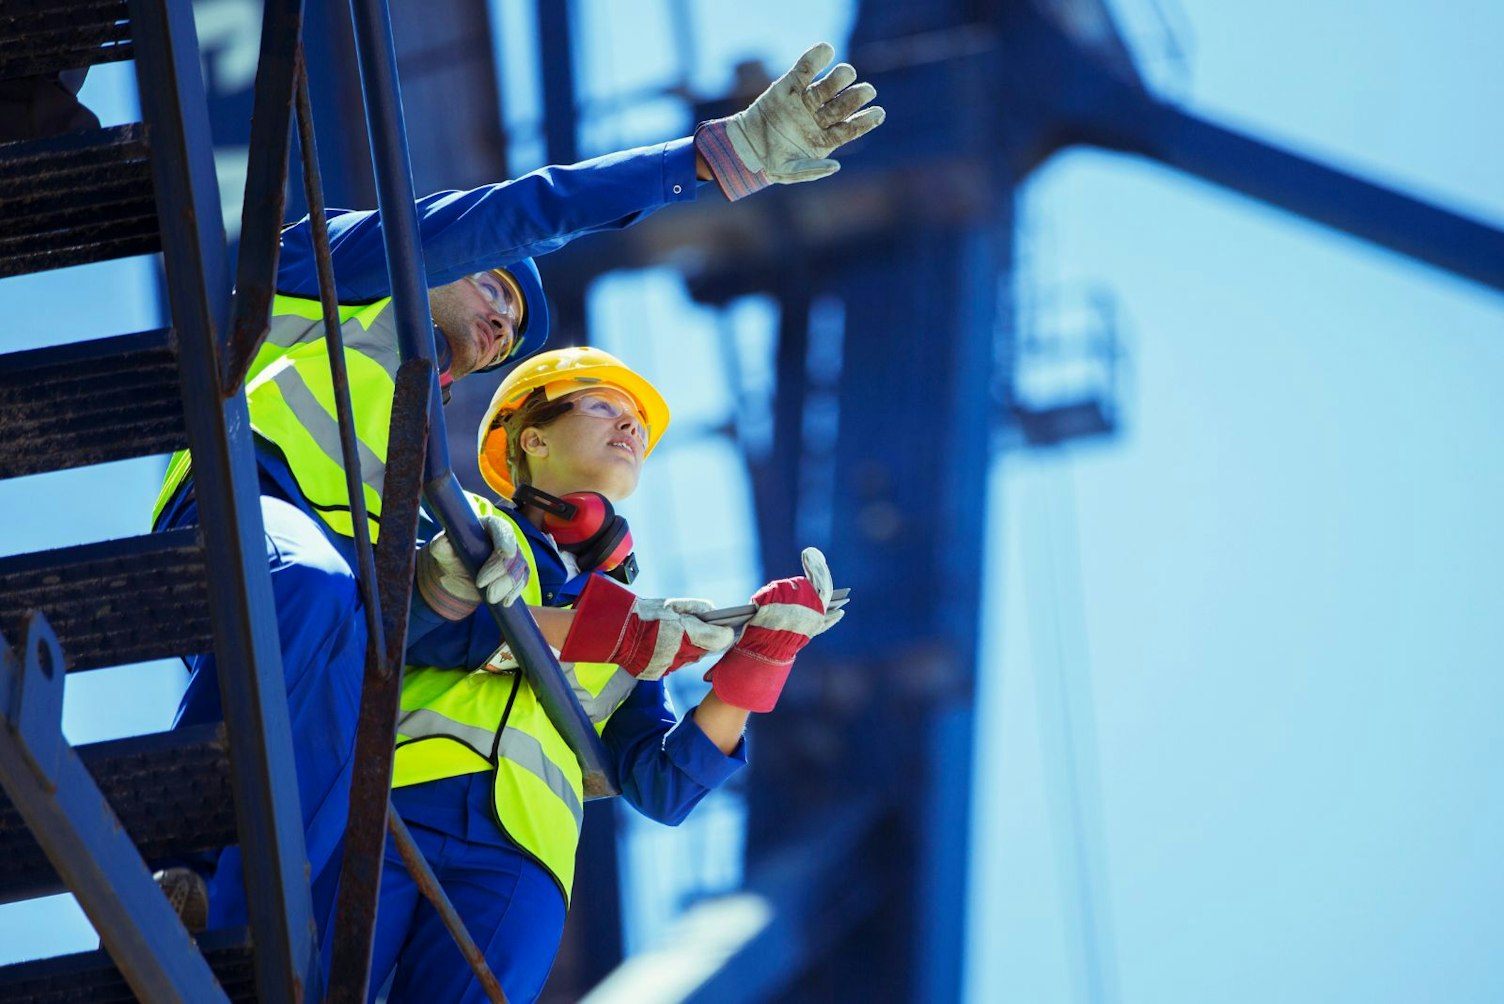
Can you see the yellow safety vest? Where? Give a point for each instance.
(456, 721)
(291, 400)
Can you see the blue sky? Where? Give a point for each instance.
(1269, 605)
(1277, 595)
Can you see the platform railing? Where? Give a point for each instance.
(417, 460)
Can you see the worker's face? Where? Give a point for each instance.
(477, 316)
(598, 445)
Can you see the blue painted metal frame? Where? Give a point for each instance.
(266, 188)
(594, 921)
(1024, 88)
(1426, 232)
(810, 894)
(384, 118)
(556, 44)
(375, 736)
(902, 504)
(226, 489)
(75, 826)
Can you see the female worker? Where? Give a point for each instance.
(489, 789)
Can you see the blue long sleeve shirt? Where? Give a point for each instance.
(666, 765)
(495, 225)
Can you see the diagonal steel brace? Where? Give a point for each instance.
(82, 837)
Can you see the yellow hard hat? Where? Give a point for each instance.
(560, 372)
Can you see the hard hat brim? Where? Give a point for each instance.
(558, 373)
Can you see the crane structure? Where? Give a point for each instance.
(860, 801)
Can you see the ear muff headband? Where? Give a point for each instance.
(584, 524)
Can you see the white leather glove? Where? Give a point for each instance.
(446, 585)
(788, 133)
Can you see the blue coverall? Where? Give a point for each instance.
(512, 906)
(318, 606)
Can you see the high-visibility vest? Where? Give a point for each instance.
(290, 397)
(456, 721)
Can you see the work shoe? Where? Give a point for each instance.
(188, 895)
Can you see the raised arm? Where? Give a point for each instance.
(495, 225)
(786, 136)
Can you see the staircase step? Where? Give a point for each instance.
(76, 198)
(89, 403)
(91, 978)
(170, 790)
(45, 36)
(114, 602)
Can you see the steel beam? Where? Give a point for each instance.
(1378, 214)
(381, 691)
(225, 484)
(767, 940)
(399, 224)
(265, 188)
(80, 833)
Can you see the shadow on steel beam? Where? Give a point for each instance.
(760, 942)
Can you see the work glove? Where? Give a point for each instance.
(789, 613)
(647, 638)
(788, 133)
(446, 585)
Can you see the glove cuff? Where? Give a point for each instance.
(600, 621)
(748, 681)
(735, 179)
(439, 599)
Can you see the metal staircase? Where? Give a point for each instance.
(66, 814)
(93, 820)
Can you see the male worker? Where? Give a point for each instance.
(488, 305)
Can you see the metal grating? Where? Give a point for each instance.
(91, 978)
(170, 790)
(89, 403)
(114, 602)
(44, 36)
(76, 198)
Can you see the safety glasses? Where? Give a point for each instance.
(501, 297)
(608, 403)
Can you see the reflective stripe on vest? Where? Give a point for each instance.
(599, 706)
(290, 396)
(448, 727)
(517, 746)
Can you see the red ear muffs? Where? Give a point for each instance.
(585, 524)
(598, 537)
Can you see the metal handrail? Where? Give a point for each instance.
(441, 488)
(417, 455)
(384, 582)
(385, 588)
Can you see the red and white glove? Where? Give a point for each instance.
(789, 613)
(647, 638)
